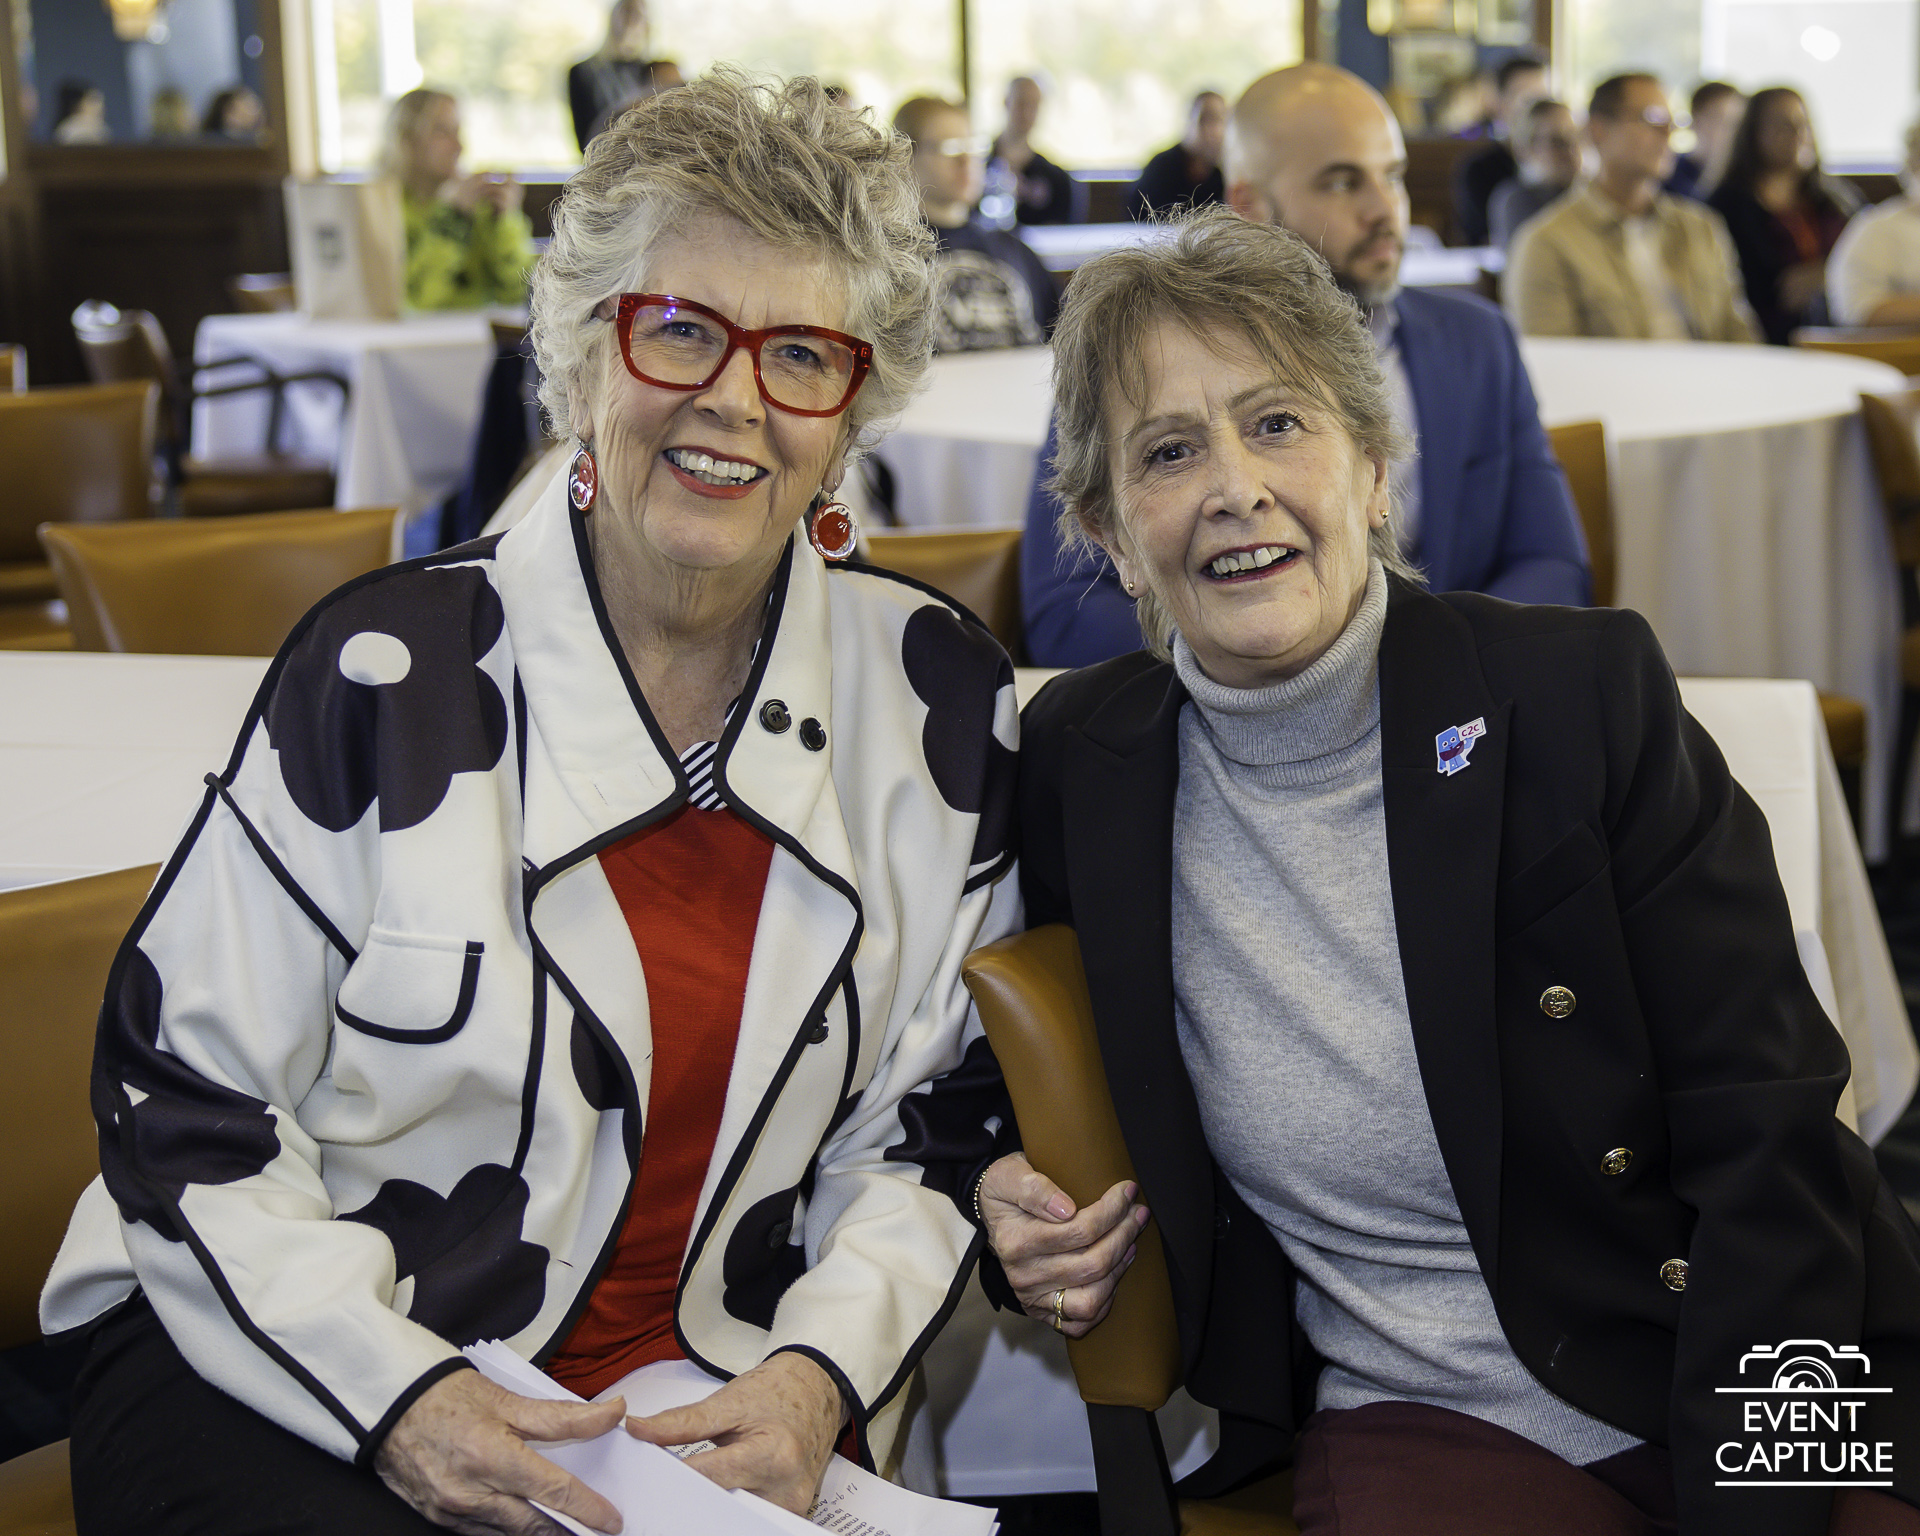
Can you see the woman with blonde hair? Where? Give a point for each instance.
(468, 243)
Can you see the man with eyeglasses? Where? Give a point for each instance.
(993, 291)
(1622, 257)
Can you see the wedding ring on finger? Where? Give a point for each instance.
(1060, 1310)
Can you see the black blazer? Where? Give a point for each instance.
(1594, 842)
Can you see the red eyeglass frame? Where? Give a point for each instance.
(737, 338)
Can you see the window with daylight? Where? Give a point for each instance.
(1857, 62)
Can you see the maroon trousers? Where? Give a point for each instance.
(1389, 1468)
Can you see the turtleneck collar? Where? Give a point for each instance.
(1315, 723)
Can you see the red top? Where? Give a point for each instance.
(691, 888)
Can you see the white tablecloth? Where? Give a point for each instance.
(1063, 247)
(1748, 523)
(408, 429)
(102, 757)
(1002, 1415)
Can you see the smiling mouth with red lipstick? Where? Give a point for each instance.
(1251, 562)
(713, 475)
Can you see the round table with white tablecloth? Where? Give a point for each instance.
(413, 405)
(1748, 524)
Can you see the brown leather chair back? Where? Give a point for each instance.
(13, 370)
(1891, 422)
(78, 455)
(56, 945)
(230, 586)
(1897, 345)
(262, 293)
(978, 568)
(1032, 996)
(118, 345)
(1031, 991)
(1581, 448)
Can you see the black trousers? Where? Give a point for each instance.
(159, 1452)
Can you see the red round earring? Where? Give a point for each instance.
(832, 532)
(583, 480)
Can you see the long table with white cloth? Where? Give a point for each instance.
(102, 762)
(413, 403)
(1748, 525)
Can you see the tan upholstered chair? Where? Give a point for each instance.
(1891, 422)
(56, 945)
(1032, 996)
(234, 586)
(129, 344)
(1581, 448)
(1898, 345)
(262, 293)
(70, 455)
(979, 568)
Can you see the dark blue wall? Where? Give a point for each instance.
(73, 39)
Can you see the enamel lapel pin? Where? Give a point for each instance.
(1455, 742)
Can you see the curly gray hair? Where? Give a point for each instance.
(1212, 272)
(778, 158)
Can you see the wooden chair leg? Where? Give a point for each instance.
(1130, 1471)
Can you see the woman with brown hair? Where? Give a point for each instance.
(1783, 211)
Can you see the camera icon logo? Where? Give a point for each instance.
(1803, 1365)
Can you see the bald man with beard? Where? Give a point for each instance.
(1483, 506)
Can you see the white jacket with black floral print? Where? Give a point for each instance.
(372, 1068)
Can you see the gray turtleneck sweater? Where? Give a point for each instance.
(1292, 1017)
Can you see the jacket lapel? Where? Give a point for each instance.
(1123, 769)
(1443, 857)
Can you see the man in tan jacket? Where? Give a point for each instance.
(1619, 257)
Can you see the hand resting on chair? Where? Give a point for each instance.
(1045, 1244)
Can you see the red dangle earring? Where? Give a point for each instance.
(832, 532)
(583, 480)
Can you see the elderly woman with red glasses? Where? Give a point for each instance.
(569, 953)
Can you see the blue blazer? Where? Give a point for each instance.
(1495, 512)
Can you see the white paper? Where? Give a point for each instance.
(657, 1496)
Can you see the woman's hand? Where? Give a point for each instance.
(773, 1430)
(1045, 1245)
(459, 1456)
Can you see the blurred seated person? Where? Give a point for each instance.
(1715, 109)
(1875, 271)
(468, 243)
(1188, 173)
(170, 115)
(1546, 142)
(992, 290)
(656, 75)
(1621, 257)
(614, 74)
(1462, 108)
(1784, 213)
(236, 114)
(1483, 507)
(80, 115)
(1043, 193)
(1518, 80)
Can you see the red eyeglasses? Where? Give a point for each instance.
(678, 344)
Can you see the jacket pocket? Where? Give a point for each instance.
(413, 988)
(1560, 872)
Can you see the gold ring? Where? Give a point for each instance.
(1059, 1310)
